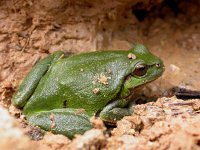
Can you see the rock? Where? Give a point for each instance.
(12, 137)
(92, 139)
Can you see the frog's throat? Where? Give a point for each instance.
(134, 92)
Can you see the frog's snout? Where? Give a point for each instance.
(160, 67)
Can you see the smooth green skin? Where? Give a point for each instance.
(57, 88)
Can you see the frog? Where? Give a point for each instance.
(63, 92)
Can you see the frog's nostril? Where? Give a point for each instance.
(158, 65)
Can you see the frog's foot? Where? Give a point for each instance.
(29, 84)
(62, 121)
(115, 111)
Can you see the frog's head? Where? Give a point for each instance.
(145, 68)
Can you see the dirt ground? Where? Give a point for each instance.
(30, 30)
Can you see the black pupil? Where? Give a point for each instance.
(140, 70)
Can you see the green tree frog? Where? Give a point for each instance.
(61, 93)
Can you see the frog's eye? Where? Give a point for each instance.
(140, 70)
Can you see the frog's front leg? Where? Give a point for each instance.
(116, 111)
(66, 121)
(29, 84)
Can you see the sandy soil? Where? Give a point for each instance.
(30, 30)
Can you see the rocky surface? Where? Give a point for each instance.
(30, 30)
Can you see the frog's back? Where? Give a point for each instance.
(86, 81)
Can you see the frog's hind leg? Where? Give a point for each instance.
(31, 81)
(62, 121)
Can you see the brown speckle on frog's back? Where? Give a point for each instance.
(96, 90)
(103, 79)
